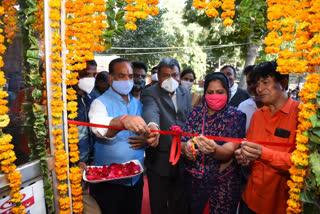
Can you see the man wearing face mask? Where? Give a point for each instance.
(165, 104)
(139, 78)
(117, 107)
(85, 96)
(154, 77)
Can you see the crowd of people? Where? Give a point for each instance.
(224, 176)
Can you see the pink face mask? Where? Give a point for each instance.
(216, 101)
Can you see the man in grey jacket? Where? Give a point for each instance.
(165, 104)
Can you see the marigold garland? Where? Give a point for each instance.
(10, 19)
(139, 9)
(84, 27)
(297, 22)
(61, 157)
(314, 19)
(211, 7)
(299, 157)
(7, 155)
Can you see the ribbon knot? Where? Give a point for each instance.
(176, 129)
(175, 150)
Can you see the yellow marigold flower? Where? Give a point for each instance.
(214, 4)
(212, 12)
(1, 10)
(4, 120)
(227, 14)
(55, 3)
(63, 188)
(64, 203)
(130, 26)
(3, 94)
(153, 11)
(272, 50)
(228, 4)
(154, 2)
(72, 106)
(274, 25)
(227, 22)
(18, 209)
(4, 109)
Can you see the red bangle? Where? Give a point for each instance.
(122, 118)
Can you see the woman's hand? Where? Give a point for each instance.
(206, 145)
(186, 149)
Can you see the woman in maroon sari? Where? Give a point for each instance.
(213, 175)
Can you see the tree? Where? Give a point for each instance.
(249, 28)
(149, 34)
(168, 32)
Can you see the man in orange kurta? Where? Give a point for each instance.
(266, 191)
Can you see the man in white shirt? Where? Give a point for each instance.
(250, 105)
(117, 107)
(237, 94)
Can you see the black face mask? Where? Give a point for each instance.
(139, 85)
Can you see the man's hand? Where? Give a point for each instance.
(137, 142)
(241, 159)
(82, 166)
(152, 138)
(251, 151)
(185, 148)
(135, 124)
(206, 145)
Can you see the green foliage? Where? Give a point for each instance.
(312, 181)
(314, 159)
(115, 20)
(149, 34)
(252, 19)
(34, 126)
(249, 26)
(164, 30)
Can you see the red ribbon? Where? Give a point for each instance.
(175, 151)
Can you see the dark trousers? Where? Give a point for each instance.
(167, 194)
(118, 199)
(244, 209)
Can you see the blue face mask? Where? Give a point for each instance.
(122, 87)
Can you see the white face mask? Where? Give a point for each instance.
(187, 84)
(86, 84)
(154, 77)
(170, 85)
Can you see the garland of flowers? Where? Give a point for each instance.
(139, 10)
(314, 19)
(211, 9)
(61, 157)
(36, 118)
(7, 155)
(299, 157)
(287, 61)
(273, 40)
(10, 19)
(294, 22)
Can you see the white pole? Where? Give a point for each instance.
(64, 91)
